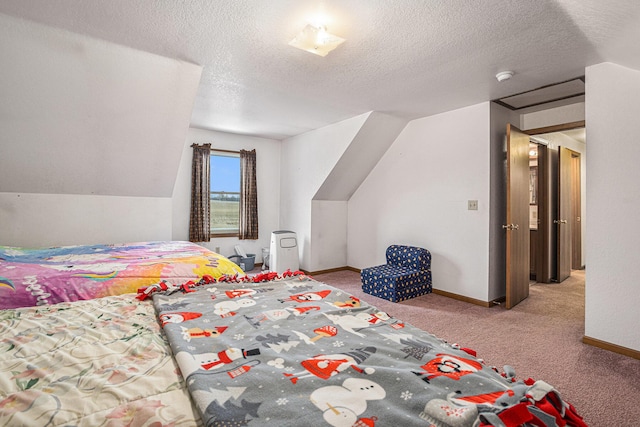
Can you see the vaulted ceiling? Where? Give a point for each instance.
(408, 58)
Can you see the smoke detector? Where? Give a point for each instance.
(504, 75)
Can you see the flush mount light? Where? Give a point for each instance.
(316, 40)
(504, 75)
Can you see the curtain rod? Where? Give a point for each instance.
(225, 151)
(215, 149)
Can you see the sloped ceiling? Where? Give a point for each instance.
(408, 58)
(84, 116)
(368, 146)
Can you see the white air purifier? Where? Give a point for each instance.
(283, 253)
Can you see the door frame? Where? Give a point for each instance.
(576, 211)
(562, 221)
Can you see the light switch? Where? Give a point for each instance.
(472, 205)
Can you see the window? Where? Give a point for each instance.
(225, 193)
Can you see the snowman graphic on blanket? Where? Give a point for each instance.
(227, 308)
(353, 323)
(280, 314)
(341, 405)
(189, 333)
(325, 366)
(191, 363)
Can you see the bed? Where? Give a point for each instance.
(30, 277)
(294, 351)
(268, 350)
(100, 362)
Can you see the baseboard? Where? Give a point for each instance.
(611, 347)
(331, 270)
(435, 291)
(462, 298)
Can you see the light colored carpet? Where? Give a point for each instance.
(540, 338)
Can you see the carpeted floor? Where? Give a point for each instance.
(540, 338)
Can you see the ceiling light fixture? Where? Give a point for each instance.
(504, 75)
(316, 40)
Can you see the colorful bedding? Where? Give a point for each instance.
(284, 352)
(30, 277)
(101, 362)
(297, 352)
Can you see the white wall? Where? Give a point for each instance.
(35, 220)
(267, 177)
(328, 234)
(307, 160)
(552, 116)
(612, 296)
(417, 195)
(91, 135)
(84, 116)
(40, 220)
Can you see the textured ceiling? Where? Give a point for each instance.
(409, 58)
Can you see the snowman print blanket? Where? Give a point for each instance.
(297, 352)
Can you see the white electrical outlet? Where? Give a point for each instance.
(472, 205)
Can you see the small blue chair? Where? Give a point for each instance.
(406, 275)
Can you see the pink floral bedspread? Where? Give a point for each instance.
(101, 362)
(33, 277)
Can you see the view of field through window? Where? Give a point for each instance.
(225, 193)
(225, 215)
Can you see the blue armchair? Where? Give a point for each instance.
(407, 274)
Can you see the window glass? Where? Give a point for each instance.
(225, 193)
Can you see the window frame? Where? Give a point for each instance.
(224, 153)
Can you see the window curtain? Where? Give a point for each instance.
(199, 220)
(248, 196)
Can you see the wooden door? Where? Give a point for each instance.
(576, 213)
(562, 223)
(540, 269)
(517, 226)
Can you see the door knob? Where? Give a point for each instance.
(559, 221)
(511, 226)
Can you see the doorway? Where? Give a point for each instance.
(557, 201)
(544, 246)
(542, 180)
